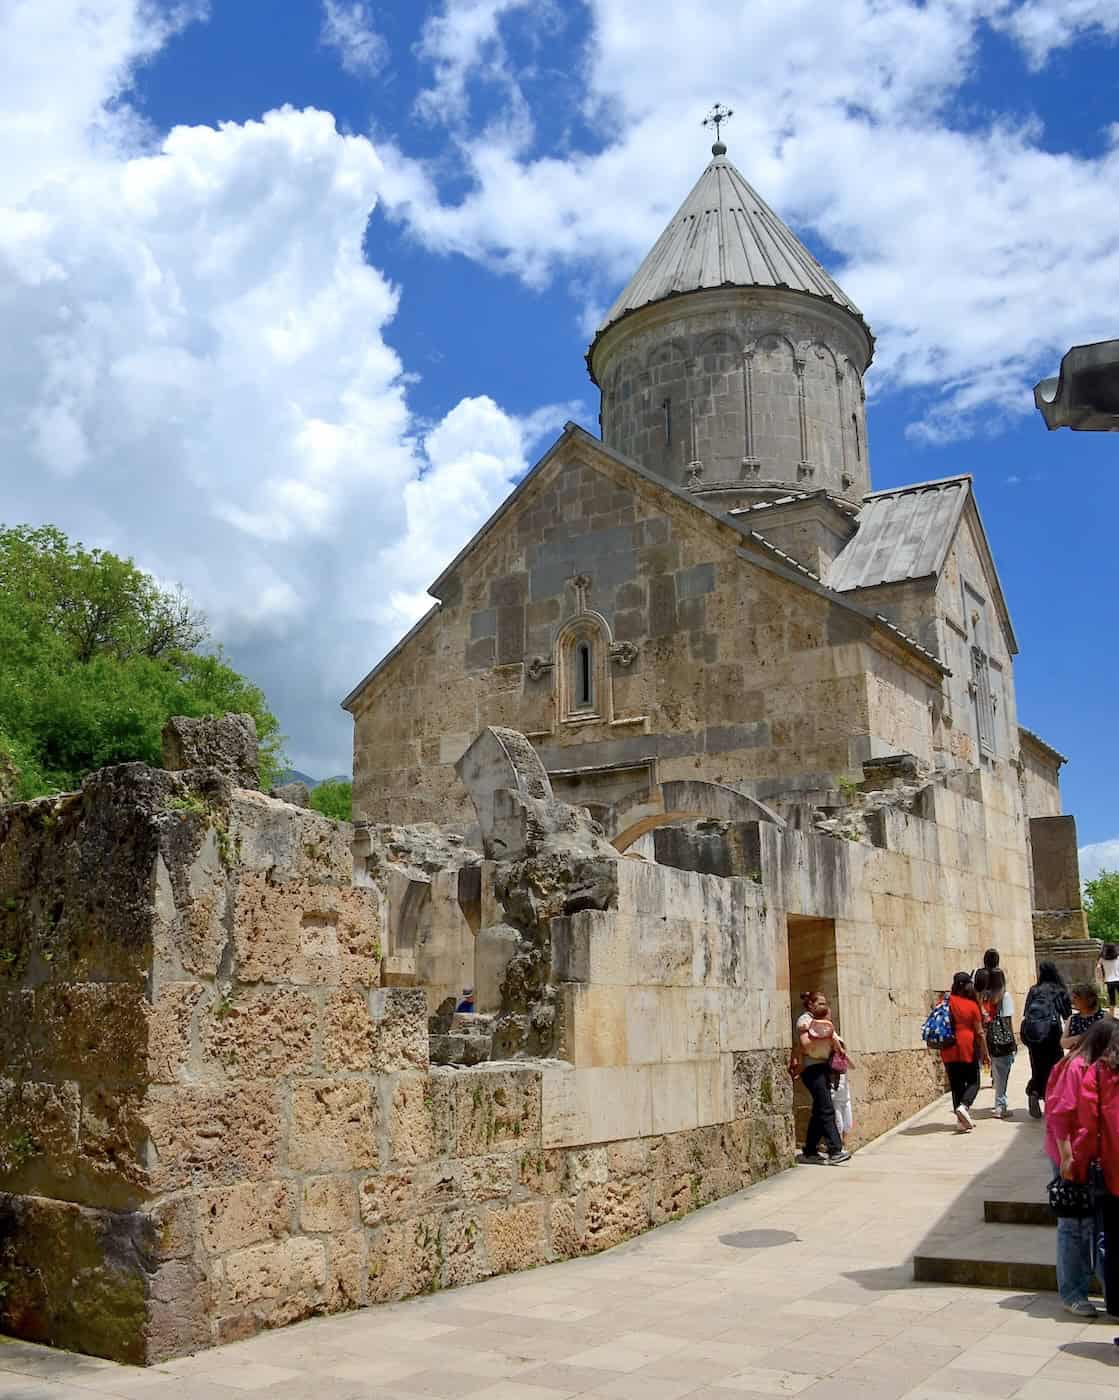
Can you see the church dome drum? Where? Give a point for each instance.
(732, 364)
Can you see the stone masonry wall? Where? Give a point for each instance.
(725, 672)
(216, 1121)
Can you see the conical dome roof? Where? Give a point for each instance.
(725, 235)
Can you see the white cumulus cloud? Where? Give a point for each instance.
(195, 366)
(962, 234)
(1099, 855)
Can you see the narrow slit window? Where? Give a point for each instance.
(858, 445)
(666, 406)
(583, 683)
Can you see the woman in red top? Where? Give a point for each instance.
(1096, 1138)
(962, 1059)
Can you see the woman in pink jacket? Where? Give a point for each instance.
(1076, 1235)
(1096, 1139)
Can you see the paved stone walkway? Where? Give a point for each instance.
(799, 1287)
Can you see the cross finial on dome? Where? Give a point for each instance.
(716, 117)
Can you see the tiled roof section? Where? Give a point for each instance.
(791, 563)
(725, 235)
(1039, 743)
(902, 534)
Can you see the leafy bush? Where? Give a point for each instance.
(96, 657)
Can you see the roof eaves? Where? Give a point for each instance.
(803, 574)
(1039, 743)
(989, 565)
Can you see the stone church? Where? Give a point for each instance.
(236, 1088)
(712, 590)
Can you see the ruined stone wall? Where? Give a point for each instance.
(216, 1121)
(709, 666)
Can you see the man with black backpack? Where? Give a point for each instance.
(1046, 1010)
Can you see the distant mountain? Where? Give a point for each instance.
(293, 775)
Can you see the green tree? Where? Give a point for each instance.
(95, 656)
(334, 799)
(1101, 904)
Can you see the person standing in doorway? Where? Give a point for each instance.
(816, 1040)
(1107, 970)
(962, 1059)
(997, 1006)
(1043, 1017)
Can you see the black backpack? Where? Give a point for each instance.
(1040, 1019)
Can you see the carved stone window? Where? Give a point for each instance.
(582, 666)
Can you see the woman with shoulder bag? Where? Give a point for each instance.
(817, 1042)
(1095, 1141)
(962, 1059)
(1071, 1197)
(997, 1006)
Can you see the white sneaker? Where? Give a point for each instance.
(1082, 1308)
(964, 1118)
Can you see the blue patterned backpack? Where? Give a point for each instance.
(938, 1032)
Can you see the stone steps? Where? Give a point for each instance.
(1019, 1212)
(991, 1256)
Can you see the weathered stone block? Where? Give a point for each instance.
(260, 1034)
(269, 1270)
(401, 1035)
(216, 1136)
(308, 933)
(404, 1259)
(233, 1217)
(348, 1031)
(346, 1271)
(516, 1236)
(227, 744)
(463, 1245)
(412, 1120)
(613, 1213)
(496, 1108)
(333, 1125)
(74, 1277)
(329, 1204)
(38, 1135)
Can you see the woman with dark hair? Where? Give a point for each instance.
(997, 1006)
(1046, 1010)
(1096, 1139)
(1107, 970)
(816, 1042)
(982, 975)
(961, 1060)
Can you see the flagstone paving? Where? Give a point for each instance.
(799, 1287)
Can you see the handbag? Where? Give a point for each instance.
(1000, 1037)
(1072, 1200)
(1078, 1200)
(838, 1062)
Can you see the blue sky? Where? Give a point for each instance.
(299, 289)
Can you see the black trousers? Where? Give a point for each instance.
(1107, 1251)
(1042, 1059)
(963, 1080)
(1112, 993)
(816, 1078)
